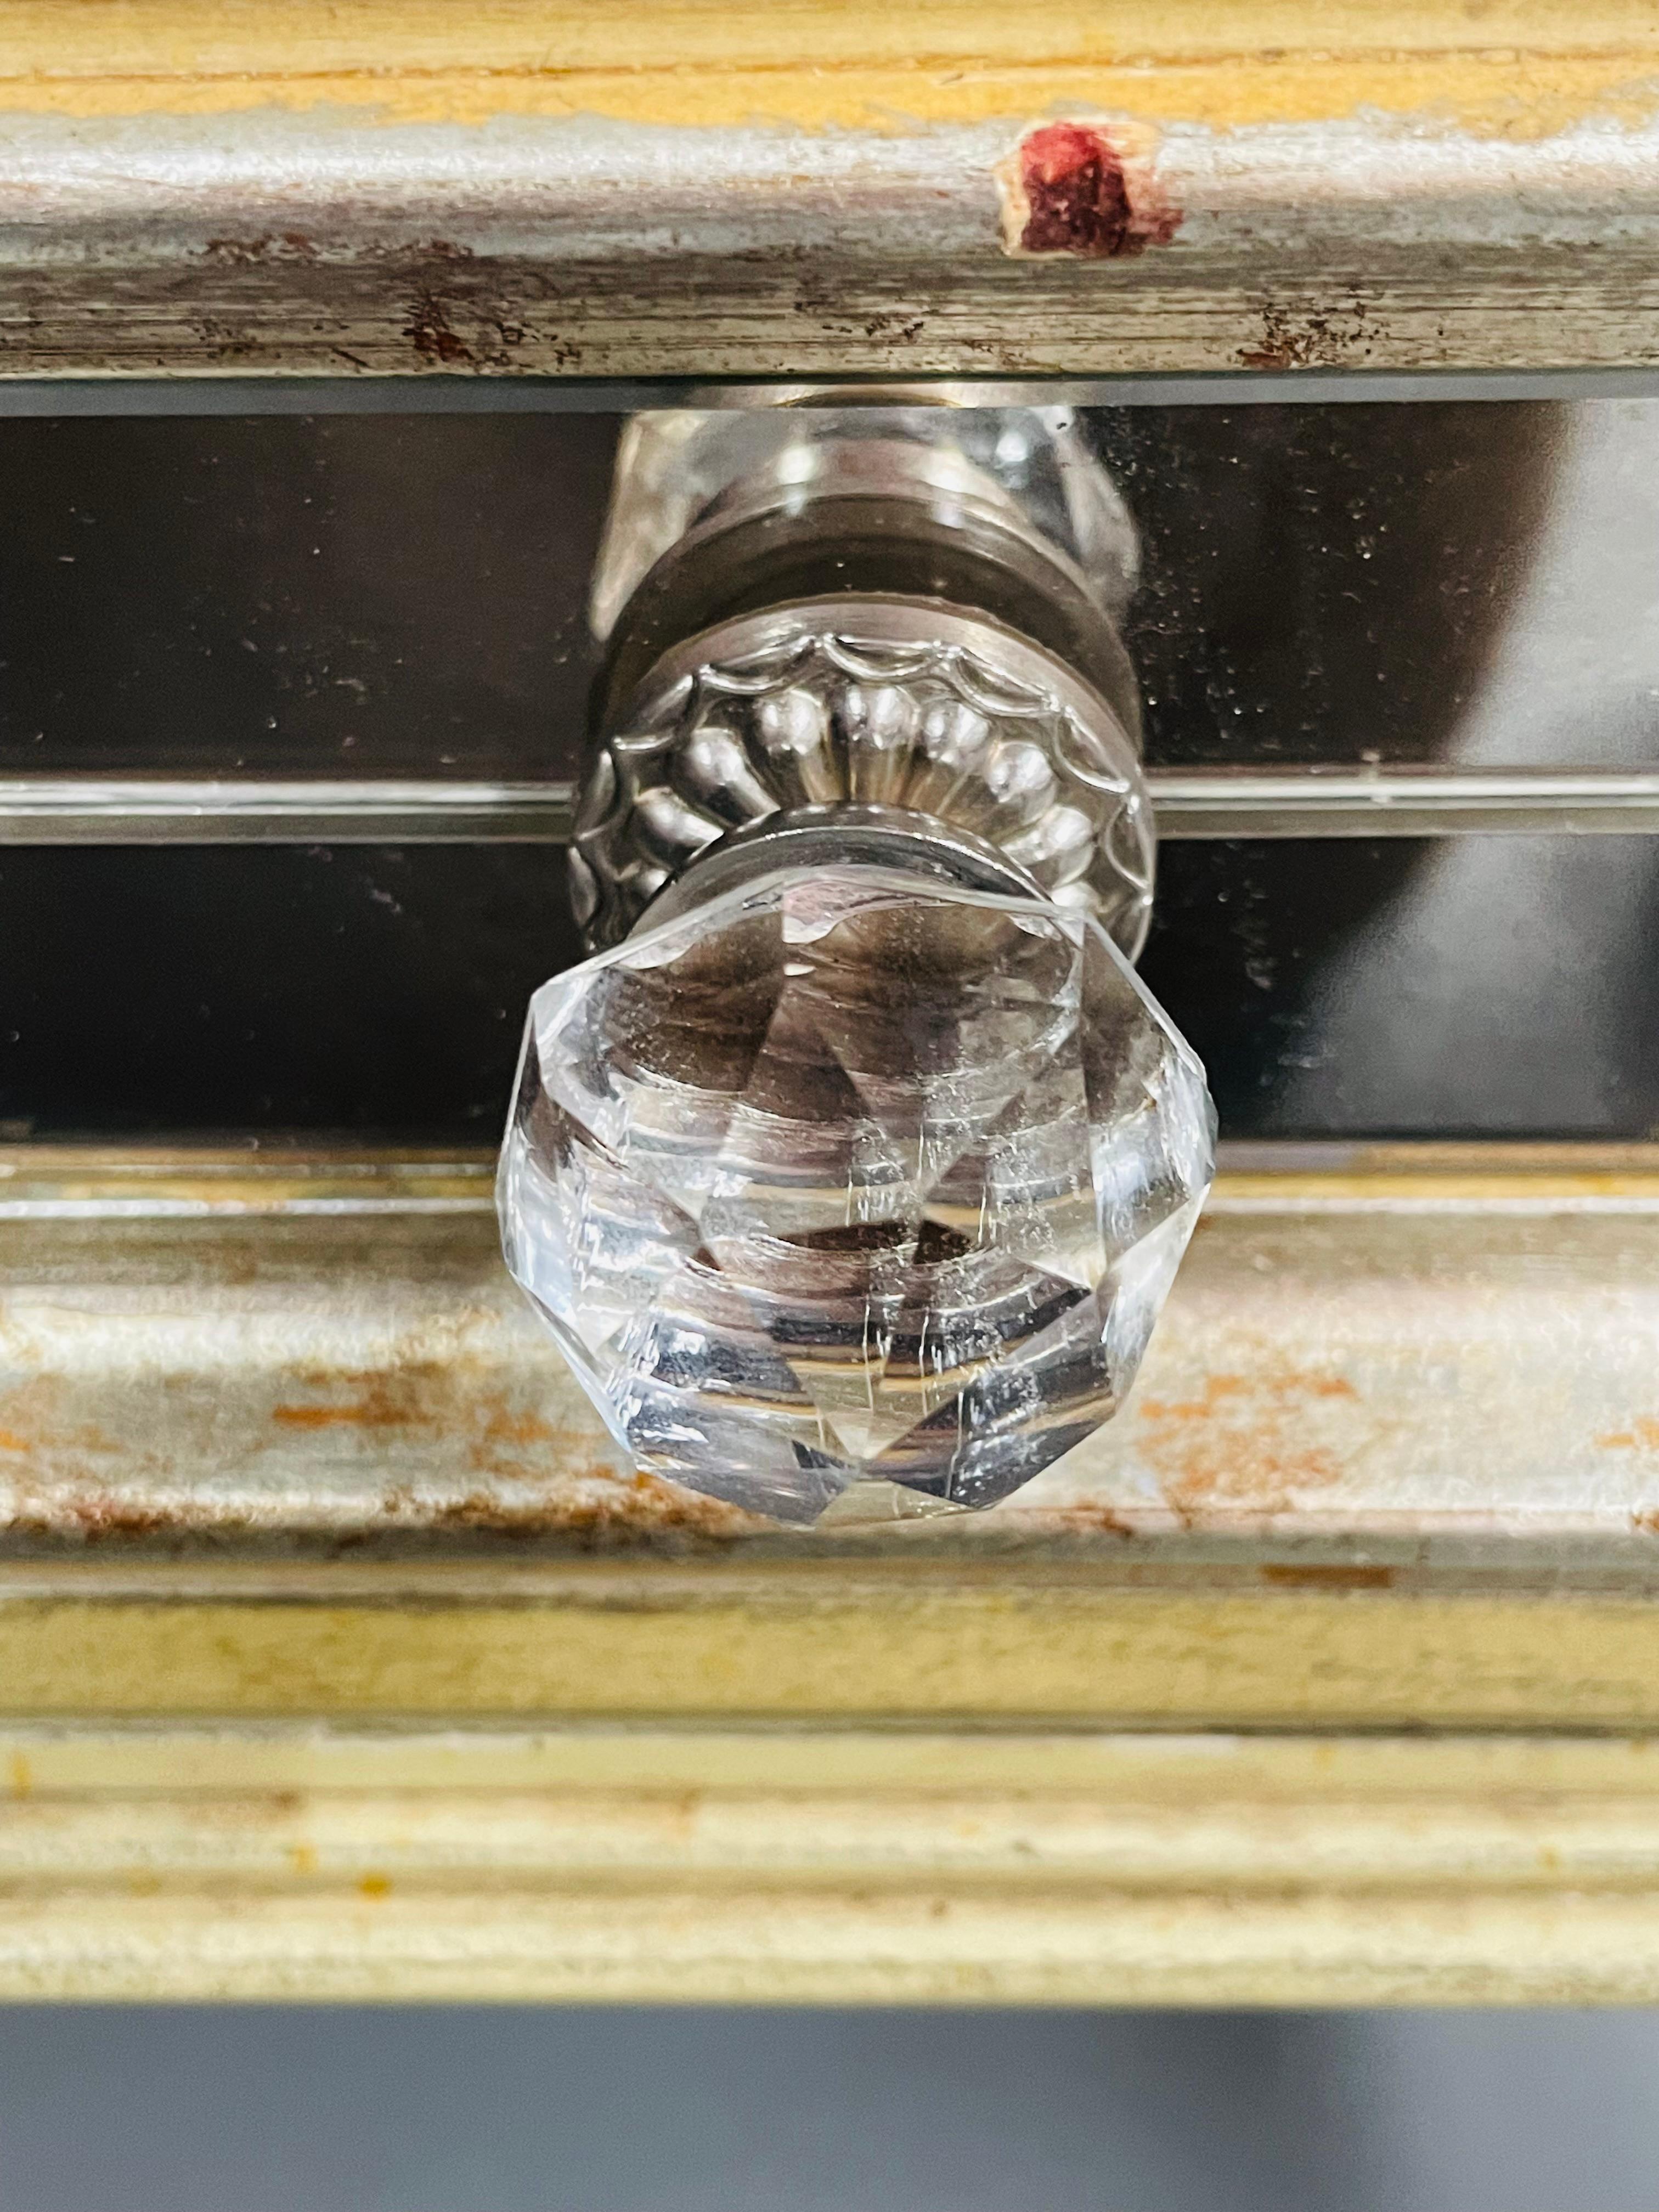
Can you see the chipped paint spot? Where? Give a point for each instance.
(268, 246)
(504, 1427)
(1331, 1576)
(1083, 191)
(104, 1516)
(621, 1502)
(1642, 1434)
(421, 1392)
(430, 332)
(1088, 1515)
(1332, 335)
(1246, 1444)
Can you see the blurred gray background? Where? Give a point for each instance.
(239, 2109)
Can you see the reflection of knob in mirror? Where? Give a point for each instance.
(857, 1154)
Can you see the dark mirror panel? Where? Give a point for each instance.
(1479, 986)
(1334, 583)
(1474, 583)
(1490, 986)
(355, 595)
(404, 595)
(275, 988)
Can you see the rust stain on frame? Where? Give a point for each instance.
(1084, 191)
(1256, 1442)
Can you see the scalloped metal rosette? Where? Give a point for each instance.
(943, 720)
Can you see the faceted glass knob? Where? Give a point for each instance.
(846, 1175)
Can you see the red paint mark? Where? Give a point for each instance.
(1076, 199)
(1084, 191)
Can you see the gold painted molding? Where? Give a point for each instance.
(792, 1865)
(1520, 66)
(966, 1642)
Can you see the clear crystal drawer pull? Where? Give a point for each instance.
(857, 1154)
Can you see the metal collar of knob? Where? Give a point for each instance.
(908, 733)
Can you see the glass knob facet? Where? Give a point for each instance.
(847, 1176)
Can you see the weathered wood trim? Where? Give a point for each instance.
(573, 190)
(1417, 1364)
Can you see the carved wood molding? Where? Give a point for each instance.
(796, 1865)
